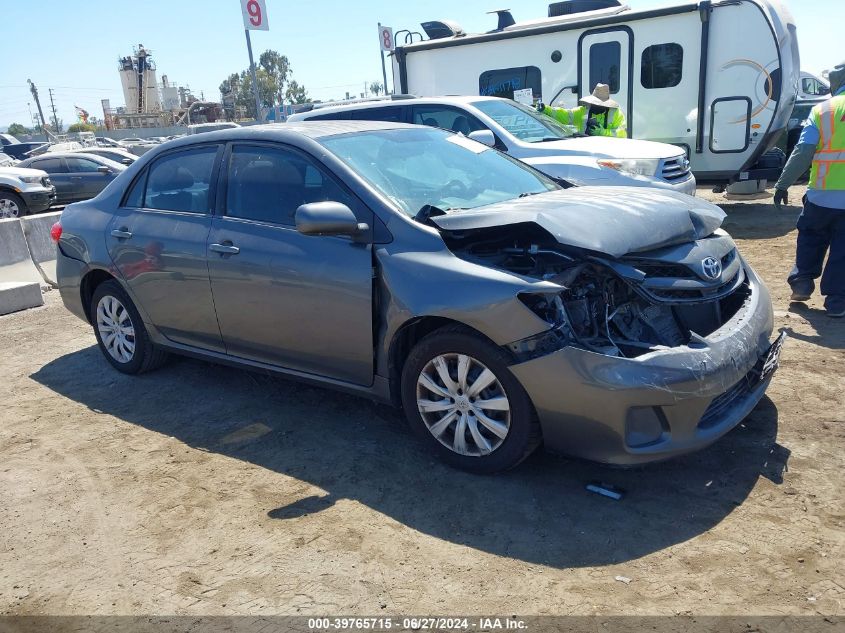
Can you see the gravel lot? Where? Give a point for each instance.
(201, 489)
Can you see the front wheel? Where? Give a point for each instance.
(120, 333)
(462, 400)
(12, 205)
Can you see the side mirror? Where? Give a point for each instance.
(328, 218)
(126, 161)
(483, 136)
(103, 169)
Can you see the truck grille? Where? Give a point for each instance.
(675, 169)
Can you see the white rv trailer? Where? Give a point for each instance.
(734, 61)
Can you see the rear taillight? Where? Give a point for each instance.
(56, 232)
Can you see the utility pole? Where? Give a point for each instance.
(254, 80)
(34, 92)
(55, 116)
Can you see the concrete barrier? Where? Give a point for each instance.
(19, 295)
(15, 261)
(42, 249)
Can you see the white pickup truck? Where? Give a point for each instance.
(534, 138)
(24, 191)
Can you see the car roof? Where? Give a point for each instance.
(382, 103)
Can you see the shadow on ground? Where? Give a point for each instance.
(359, 450)
(829, 331)
(758, 221)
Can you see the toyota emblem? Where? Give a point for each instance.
(712, 267)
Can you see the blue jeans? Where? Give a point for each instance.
(821, 229)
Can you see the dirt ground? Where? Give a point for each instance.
(200, 489)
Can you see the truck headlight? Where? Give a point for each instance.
(32, 180)
(636, 166)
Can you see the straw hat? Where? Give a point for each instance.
(600, 97)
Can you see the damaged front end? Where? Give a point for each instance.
(647, 355)
(622, 307)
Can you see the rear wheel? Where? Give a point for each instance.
(12, 205)
(462, 400)
(120, 333)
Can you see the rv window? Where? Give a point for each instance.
(502, 82)
(605, 60)
(446, 118)
(662, 66)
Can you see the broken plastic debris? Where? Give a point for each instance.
(624, 579)
(606, 490)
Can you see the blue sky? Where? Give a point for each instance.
(332, 44)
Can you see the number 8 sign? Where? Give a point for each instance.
(385, 35)
(255, 15)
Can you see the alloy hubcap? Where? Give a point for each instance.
(116, 330)
(8, 208)
(463, 404)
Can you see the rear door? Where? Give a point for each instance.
(296, 301)
(605, 56)
(157, 241)
(59, 176)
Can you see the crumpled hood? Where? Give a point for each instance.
(610, 220)
(608, 147)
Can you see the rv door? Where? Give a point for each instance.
(605, 57)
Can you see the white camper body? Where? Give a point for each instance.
(734, 61)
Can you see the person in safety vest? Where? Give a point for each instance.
(821, 225)
(598, 114)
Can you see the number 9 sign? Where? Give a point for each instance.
(255, 15)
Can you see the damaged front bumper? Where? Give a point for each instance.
(658, 405)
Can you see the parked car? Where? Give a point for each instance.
(116, 154)
(24, 191)
(105, 141)
(7, 161)
(17, 149)
(534, 138)
(76, 175)
(417, 266)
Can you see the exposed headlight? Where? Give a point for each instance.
(31, 179)
(636, 166)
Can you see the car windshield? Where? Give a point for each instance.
(523, 122)
(415, 167)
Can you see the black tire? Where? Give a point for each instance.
(145, 356)
(16, 200)
(524, 434)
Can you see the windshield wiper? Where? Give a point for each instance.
(525, 194)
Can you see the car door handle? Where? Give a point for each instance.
(121, 234)
(224, 249)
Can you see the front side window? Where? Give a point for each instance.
(82, 165)
(181, 181)
(446, 118)
(605, 61)
(523, 122)
(414, 167)
(503, 81)
(268, 184)
(662, 66)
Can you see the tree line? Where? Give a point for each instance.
(276, 84)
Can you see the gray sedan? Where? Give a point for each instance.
(76, 175)
(421, 268)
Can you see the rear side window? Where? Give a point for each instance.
(50, 165)
(181, 181)
(662, 66)
(605, 60)
(446, 118)
(503, 81)
(378, 114)
(268, 184)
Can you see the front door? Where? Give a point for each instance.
(157, 241)
(87, 177)
(283, 298)
(605, 56)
